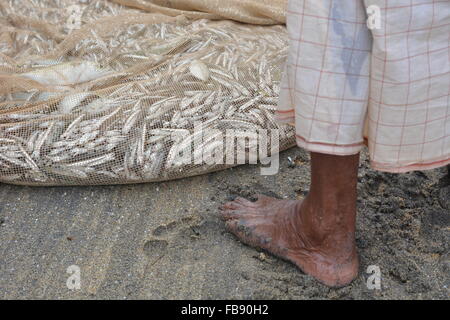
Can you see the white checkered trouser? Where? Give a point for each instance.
(345, 85)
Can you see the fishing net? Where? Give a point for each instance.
(111, 92)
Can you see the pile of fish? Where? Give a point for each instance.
(121, 104)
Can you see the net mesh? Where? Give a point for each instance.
(111, 92)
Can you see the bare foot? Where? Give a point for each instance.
(319, 242)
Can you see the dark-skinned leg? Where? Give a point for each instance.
(316, 234)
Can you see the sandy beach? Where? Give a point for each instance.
(166, 241)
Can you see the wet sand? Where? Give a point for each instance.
(166, 241)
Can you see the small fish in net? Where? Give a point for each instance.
(119, 99)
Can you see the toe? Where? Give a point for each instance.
(243, 215)
(242, 232)
(230, 214)
(236, 227)
(231, 225)
(230, 206)
(238, 204)
(244, 202)
(263, 199)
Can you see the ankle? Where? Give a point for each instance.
(327, 227)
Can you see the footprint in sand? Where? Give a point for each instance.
(155, 248)
(170, 234)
